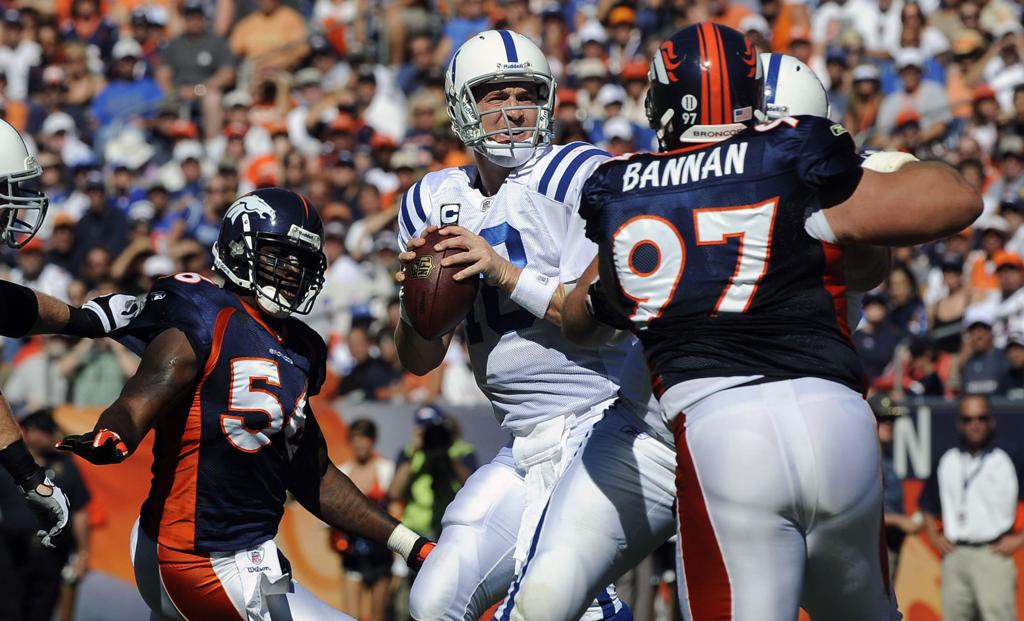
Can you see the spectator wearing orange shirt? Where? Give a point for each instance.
(272, 37)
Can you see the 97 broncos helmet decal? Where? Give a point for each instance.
(706, 85)
(271, 245)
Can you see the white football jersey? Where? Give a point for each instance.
(524, 365)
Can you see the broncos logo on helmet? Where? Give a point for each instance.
(706, 85)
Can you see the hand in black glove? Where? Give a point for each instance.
(420, 550)
(100, 447)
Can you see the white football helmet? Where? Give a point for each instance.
(499, 56)
(792, 88)
(21, 209)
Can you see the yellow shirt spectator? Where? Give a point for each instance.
(272, 37)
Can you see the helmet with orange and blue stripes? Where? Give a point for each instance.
(706, 85)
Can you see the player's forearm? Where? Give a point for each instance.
(342, 506)
(865, 266)
(893, 209)
(579, 326)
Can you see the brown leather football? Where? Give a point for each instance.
(434, 302)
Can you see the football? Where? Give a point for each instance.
(434, 301)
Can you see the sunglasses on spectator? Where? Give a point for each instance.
(982, 418)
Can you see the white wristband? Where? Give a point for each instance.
(533, 291)
(887, 161)
(402, 540)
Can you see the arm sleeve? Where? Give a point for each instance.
(577, 250)
(826, 159)
(169, 305)
(414, 213)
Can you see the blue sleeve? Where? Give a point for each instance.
(826, 159)
(171, 304)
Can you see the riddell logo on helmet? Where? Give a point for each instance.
(514, 66)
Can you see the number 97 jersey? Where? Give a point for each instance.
(711, 261)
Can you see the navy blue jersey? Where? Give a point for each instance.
(710, 259)
(223, 460)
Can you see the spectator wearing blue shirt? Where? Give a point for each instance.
(100, 225)
(469, 19)
(126, 96)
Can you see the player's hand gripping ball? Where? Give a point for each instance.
(434, 302)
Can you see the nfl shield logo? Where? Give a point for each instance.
(256, 556)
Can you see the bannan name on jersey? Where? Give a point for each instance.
(686, 167)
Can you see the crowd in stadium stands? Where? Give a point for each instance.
(149, 117)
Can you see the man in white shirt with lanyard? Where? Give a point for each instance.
(975, 490)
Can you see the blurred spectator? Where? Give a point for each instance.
(87, 25)
(419, 67)
(197, 66)
(917, 370)
(100, 225)
(897, 523)
(982, 365)
(34, 271)
(96, 371)
(369, 377)
(974, 490)
(1010, 181)
(127, 95)
(916, 95)
(272, 37)
(877, 336)
(945, 315)
(865, 99)
(18, 55)
(430, 470)
(1006, 303)
(36, 578)
(625, 43)
(906, 310)
(366, 565)
(468, 20)
(36, 382)
(1012, 386)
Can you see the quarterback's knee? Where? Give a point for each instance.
(435, 589)
(553, 589)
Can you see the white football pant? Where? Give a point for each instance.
(249, 585)
(491, 522)
(611, 509)
(780, 505)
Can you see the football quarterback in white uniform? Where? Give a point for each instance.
(514, 216)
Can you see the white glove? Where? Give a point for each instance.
(52, 510)
(887, 161)
(114, 310)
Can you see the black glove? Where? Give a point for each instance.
(100, 447)
(601, 309)
(420, 550)
(50, 507)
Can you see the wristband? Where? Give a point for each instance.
(19, 309)
(533, 292)
(402, 540)
(19, 463)
(83, 323)
(887, 161)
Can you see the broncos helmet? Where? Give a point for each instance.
(22, 209)
(706, 85)
(271, 245)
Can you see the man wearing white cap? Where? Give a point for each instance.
(982, 364)
(126, 95)
(925, 97)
